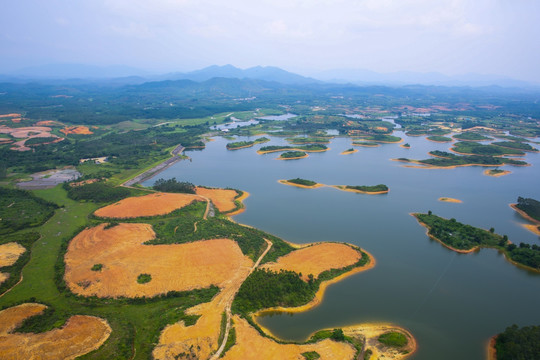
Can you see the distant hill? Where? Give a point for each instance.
(78, 71)
(267, 73)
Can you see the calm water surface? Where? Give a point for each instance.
(452, 303)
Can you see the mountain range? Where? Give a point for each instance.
(123, 75)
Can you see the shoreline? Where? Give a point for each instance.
(349, 152)
(427, 166)
(319, 295)
(285, 182)
(367, 145)
(524, 214)
(438, 141)
(532, 228)
(405, 147)
(491, 351)
(241, 198)
(450, 200)
(488, 173)
(343, 188)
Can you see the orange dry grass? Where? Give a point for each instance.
(80, 130)
(9, 253)
(80, 335)
(316, 259)
(251, 345)
(48, 123)
(200, 339)
(124, 257)
(147, 205)
(222, 198)
(14, 115)
(3, 277)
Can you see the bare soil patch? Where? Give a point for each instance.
(79, 130)
(9, 253)
(371, 333)
(251, 345)
(316, 258)
(124, 257)
(147, 205)
(223, 199)
(80, 335)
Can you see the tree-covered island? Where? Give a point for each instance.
(245, 144)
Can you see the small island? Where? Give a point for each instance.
(529, 209)
(302, 183)
(405, 146)
(515, 343)
(365, 143)
(305, 148)
(349, 151)
(308, 140)
(446, 160)
(364, 189)
(471, 136)
(387, 139)
(450, 200)
(292, 155)
(464, 238)
(439, 139)
(472, 148)
(496, 172)
(245, 144)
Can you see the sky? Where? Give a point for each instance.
(452, 37)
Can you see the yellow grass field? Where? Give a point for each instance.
(147, 205)
(251, 345)
(316, 258)
(222, 198)
(80, 335)
(124, 257)
(9, 253)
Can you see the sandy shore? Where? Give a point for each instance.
(488, 173)
(349, 152)
(343, 188)
(241, 198)
(320, 293)
(285, 182)
(405, 147)
(366, 145)
(532, 228)
(427, 166)
(450, 200)
(524, 214)
(290, 149)
(491, 351)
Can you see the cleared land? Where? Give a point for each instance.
(147, 205)
(79, 130)
(316, 258)
(223, 199)
(251, 345)
(9, 253)
(123, 256)
(371, 333)
(80, 335)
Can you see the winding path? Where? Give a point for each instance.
(229, 303)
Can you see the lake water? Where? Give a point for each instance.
(452, 303)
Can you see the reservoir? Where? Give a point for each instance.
(452, 303)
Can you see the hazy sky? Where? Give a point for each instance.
(449, 36)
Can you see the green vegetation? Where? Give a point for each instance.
(496, 171)
(368, 188)
(311, 355)
(471, 136)
(97, 267)
(365, 143)
(473, 148)
(231, 339)
(98, 192)
(446, 159)
(466, 237)
(20, 209)
(171, 185)
(518, 343)
(144, 278)
(308, 147)
(394, 339)
(302, 182)
(244, 144)
(438, 138)
(383, 138)
(39, 141)
(515, 145)
(265, 289)
(407, 145)
(530, 206)
(349, 150)
(292, 154)
(308, 140)
(26, 240)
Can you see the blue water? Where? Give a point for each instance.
(452, 303)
